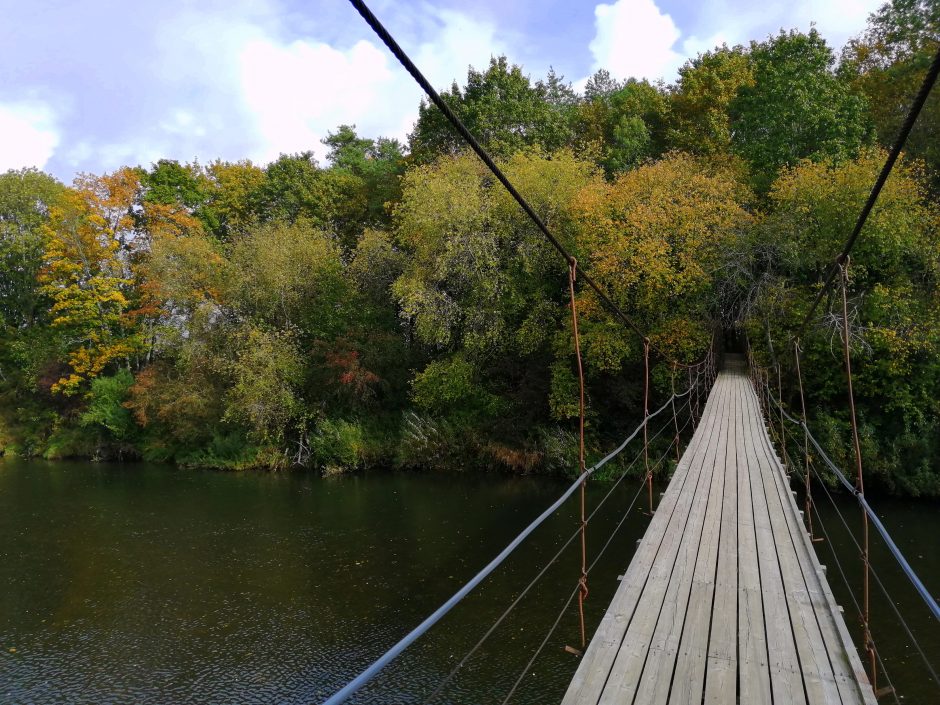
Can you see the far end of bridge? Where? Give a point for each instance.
(724, 601)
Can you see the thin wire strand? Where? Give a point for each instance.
(399, 647)
(544, 570)
(858, 546)
(564, 608)
(878, 581)
(848, 589)
(929, 79)
(893, 549)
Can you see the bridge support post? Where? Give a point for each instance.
(806, 468)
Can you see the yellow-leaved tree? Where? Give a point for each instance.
(655, 238)
(87, 277)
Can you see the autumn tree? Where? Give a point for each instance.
(888, 63)
(654, 237)
(480, 285)
(893, 303)
(86, 276)
(699, 119)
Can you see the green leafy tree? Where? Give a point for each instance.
(699, 120)
(501, 108)
(480, 286)
(378, 166)
(796, 108)
(888, 63)
(25, 199)
(893, 301)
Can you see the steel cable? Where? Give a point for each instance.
(929, 79)
(898, 556)
(848, 589)
(437, 691)
(892, 546)
(373, 669)
(484, 156)
(567, 603)
(880, 584)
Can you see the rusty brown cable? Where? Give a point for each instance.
(859, 477)
(917, 105)
(783, 432)
(646, 413)
(582, 585)
(809, 492)
(675, 418)
(485, 157)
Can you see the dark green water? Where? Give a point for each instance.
(144, 584)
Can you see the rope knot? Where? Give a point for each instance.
(583, 586)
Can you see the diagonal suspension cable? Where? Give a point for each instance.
(906, 568)
(878, 581)
(845, 580)
(484, 156)
(396, 650)
(893, 155)
(567, 603)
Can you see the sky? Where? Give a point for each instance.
(89, 86)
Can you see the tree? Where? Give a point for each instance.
(501, 108)
(893, 300)
(86, 276)
(26, 197)
(654, 239)
(289, 277)
(294, 188)
(233, 201)
(888, 63)
(796, 108)
(481, 288)
(700, 100)
(378, 166)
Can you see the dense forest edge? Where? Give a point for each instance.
(395, 308)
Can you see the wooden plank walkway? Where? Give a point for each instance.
(725, 601)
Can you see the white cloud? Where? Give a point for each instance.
(733, 23)
(28, 134)
(298, 91)
(635, 39)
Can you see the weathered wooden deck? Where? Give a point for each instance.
(724, 600)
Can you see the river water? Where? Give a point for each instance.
(147, 584)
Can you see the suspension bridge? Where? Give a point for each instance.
(724, 601)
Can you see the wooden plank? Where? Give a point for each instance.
(753, 659)
(669, 518)
(631, 657)
(850, 678)
(818, 678)
(693, 575)
(727, 526)
(687, 684)
(722, 653)
(786, 680)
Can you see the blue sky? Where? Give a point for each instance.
(91, 86)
